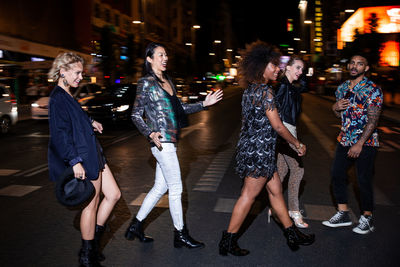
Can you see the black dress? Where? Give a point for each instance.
(255, 154)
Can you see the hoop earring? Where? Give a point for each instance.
(65, 82)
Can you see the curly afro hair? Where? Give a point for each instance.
(255, 59)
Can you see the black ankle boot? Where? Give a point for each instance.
(97, 236)
(228, 244)
(135, 230)
(295, 237)
(87, 255)
(183, 239)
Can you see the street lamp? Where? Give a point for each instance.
(307, 22)
(217, 41)
(196, 27)
(136, 22)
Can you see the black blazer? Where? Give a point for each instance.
(72, 138)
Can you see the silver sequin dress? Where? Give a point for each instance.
(255, 151)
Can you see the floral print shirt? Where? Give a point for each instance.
(354, 118)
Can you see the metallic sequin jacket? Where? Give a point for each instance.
(152, 99)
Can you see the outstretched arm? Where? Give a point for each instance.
(213, 98)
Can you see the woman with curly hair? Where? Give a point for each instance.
(255, 158)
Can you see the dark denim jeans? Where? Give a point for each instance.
(364, 170)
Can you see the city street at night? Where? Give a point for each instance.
(38, 231)
(143, 133)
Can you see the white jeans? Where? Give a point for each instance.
(168, 177)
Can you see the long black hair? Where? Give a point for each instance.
(147, 69)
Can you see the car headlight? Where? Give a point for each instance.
(35, 105)
(122, 108)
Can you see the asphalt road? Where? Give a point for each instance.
(37, 231)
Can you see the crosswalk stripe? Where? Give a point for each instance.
(31, 169)
(7, 172)
(162, 203)
(323, 212)
(212, 177)
(313, 212)
(18, 190)
(36, 172)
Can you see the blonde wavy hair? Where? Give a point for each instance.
(63, 60)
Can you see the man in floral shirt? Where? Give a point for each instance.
(358, 104)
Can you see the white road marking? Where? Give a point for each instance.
(314, 212)
(18, 190)
(323, 212)
(212, 177)
(37, 135)
(36, 172)
(7, 172)
(162, 203)
(31, 169)
(188, 130)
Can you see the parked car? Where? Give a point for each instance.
(8, 109)
(83, 93)
(114, 104)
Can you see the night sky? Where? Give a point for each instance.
(264, 20)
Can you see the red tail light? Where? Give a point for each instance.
(13, 99)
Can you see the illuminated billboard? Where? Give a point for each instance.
(388, 21)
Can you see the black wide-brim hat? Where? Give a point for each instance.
(71, 191)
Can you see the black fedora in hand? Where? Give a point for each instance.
(71, 191)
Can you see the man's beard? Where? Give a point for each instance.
(353, 77)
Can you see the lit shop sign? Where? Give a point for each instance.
(388, 21)
(318, 27)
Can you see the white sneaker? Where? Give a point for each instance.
(364, 225)
(340, 219)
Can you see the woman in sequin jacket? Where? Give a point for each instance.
(156, 97)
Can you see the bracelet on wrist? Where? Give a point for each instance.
(300, 146)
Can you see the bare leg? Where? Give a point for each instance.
(88, 216)
(251, 188)
(111, 193)
(274, 188)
